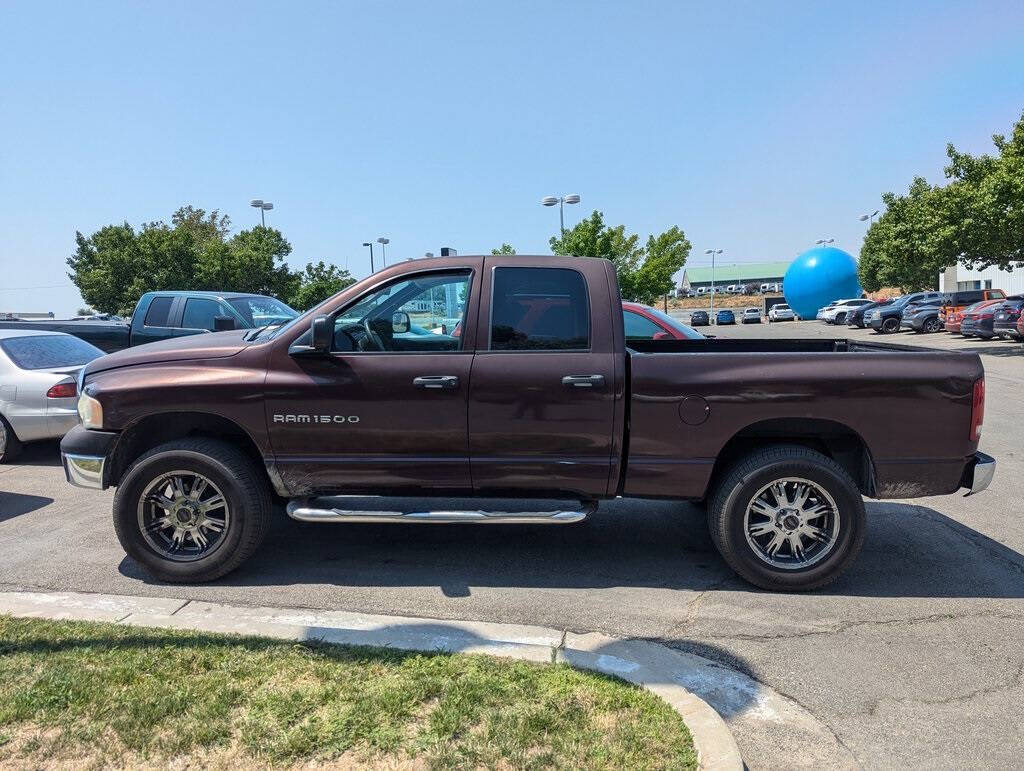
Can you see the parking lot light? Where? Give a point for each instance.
(712, 252)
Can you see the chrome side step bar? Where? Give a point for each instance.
(322, 510)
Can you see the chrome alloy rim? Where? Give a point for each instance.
(183, 516)
(791, 523)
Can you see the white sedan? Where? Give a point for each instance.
(38, 393)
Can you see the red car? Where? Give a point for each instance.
(643, 322)
(955, 319)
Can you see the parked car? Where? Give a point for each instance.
(38, 395)
(980, 322)
(163, 315)
(1007, 315)
(838, 312)
(200, 433)
(954, 302)
(781, 312)
(751, 316)
(922, 317)
(1020, 327)
(823, 310)
(955, 319)
(886, 319)
(642, 322)
(855, 318)
(700, 319)
(725, 317)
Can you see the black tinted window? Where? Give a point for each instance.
(539, 309)
(970, 297)
(49, 351)
(158, 312)
(200, 312)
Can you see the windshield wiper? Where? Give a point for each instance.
(255, 333)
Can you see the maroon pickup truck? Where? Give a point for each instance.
(536, 396)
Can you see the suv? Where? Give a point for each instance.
(887, 319)
(1007, 316)
(838, 313)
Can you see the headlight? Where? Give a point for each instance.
(90, 411)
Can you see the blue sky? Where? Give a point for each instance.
(756, 127)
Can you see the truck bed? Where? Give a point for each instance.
(108, 336)
(689, 399)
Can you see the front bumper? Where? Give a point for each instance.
(84, 453)
(978, 474)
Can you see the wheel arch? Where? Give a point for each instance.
(831, 438)
(157, 428)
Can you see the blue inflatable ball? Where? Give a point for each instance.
(819, 276)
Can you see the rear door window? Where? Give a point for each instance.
(539, 309)
(49, 351)
(158, 312)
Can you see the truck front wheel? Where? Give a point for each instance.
(787, 518)
(192, 510)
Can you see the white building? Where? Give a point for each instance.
(959, 278)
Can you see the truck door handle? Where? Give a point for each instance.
(583, 381)
(436, 381)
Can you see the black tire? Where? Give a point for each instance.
(10, 445)
(932, 325)
(244, 487)
(840, 318)
(738, 486)
(890, 325)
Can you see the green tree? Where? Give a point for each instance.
(318, 282)
(977, 218)
(644, 273)
(504, 249)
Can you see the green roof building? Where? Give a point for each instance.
(745, 273)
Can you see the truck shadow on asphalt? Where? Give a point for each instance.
(15, 504)
(910, 551)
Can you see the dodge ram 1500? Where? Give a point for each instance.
(537, 396)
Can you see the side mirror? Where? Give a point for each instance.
(223, 323)
(400, 322)
(321, 335)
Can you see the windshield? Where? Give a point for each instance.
(259, 311)
(49, 351)
(667, 320)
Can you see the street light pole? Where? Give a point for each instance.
(367, 243)
(551, 200)
(824, 241)
(263, 206)
(869, 218)
(383, 242)
(713, 253)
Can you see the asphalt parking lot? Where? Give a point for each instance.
(914, 658)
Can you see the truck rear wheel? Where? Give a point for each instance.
(787, 518)
(192, 510)
(890, 325)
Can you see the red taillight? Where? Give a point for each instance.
(986, 315)
(977, 409)
(62, 391)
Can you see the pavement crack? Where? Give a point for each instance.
(186, 602)
(1016, 680)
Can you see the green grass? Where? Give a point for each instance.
(91, 694)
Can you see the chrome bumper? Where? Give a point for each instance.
(84, 470)
(979, 474)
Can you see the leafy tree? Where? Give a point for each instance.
(504, 249)
(644, 273)
(117, 264)
(318, 282)
(977, 219)
(85, 312)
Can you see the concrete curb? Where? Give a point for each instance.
(655, 667)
